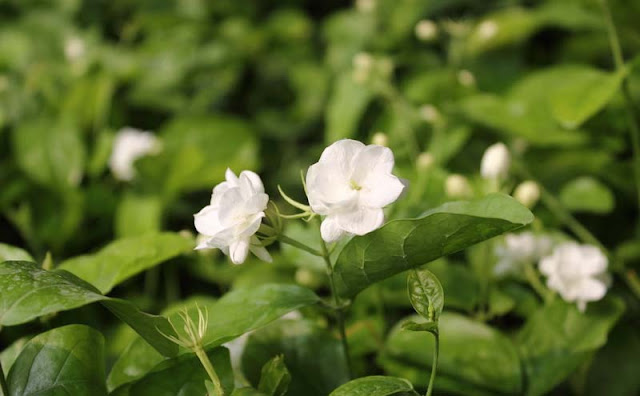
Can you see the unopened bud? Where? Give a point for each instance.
(424, 161)
(487, 29)
(429, 113)
(457, 186)
(74, 49)
(527, 193)
(362, 65)
(380, 139)
(308, 278)
(495, 162)
(466, 78)
(426, 30)
(365, 5)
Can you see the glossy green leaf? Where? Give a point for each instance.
(404, 244)
(476, 356)
(247, 391)
(183, 375)
(509, 26)
(138, 215)
(68, 360)
(376, 385)
(10, 353)
(347, 104)
(28, 292)
(313, 355)
(425, 293)
(124, 258)
(50, 152)
(13, 253)
(275, 377)
(558, 338)
(582, 94)
(586, 194)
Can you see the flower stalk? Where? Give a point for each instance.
(434, 365)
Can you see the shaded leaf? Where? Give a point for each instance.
(275, 377)
(587, 194)
(347, 104)
(13, 253)
(425, 293)
(375, 386)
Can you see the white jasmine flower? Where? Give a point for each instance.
(129, 145)
(429, 113)
(74, 49)
(577, 273)
(426, 30)
(365, 6)
(425, 161)
(487, 29)
(350, 185)
(517, 249)
(466, 78)
(495, 162)
(234, 216)
(457, 186)
(527, 193)
(380, 139)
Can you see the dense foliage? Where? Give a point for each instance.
(95, 215)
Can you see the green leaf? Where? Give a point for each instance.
(510, 26)
(10, 353)
(461, 285)
(275, 377)
(183, 375)
(473, 356)
(346, 106)
(50, 152)
(376, 385)
(425, 293)
(28, 292)
(558, 338)
(430, 327)
(313, 355)
(138, 215)
(13, 253)
(582, 94)
(68, 360)
(405, 244)
(124, 258)
(247, 391)
(586, 194)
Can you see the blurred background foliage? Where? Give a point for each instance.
(266, 85)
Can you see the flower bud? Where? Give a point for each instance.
(362, 65)
(426, 30)
(495, 162)
(365, 6)
(429, 113)
(74, 49)
(308, 278)
(527, 193)
(424, 161)
(466, 78)
(380, 139)
(457, 186)
(487, 29)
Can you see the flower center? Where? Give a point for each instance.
(354, 185)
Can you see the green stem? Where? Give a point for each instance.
(206, 363)
(3, 383)
(634, 130)
(534, 281)
(434, 366)
(299, 245)
(338, 307)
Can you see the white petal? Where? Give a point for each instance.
(239, 250)
(259, 251)
(229, 206)
(254, 180)
(328, 188)
(207, 221)
(379, 190)
(231, 177)
(360, 221)
(342, 152)
(250, 226)
(372, 159)
(591, 289)
(256, 203)
(548, 265)
(330, 231)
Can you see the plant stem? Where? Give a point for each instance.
(299, 245)
(434, 366)
(534, 281)
(206, 363)
(634, 130)
(338, 308)
(3, 383)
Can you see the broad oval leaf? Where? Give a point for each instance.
(376, 385)
(425, 293)
(124, 258)
(558, 338)
(13, 253)
(68, 360)
(28, 292)
(405, 244)
(473, 356)
(275, 377)
(587, 194)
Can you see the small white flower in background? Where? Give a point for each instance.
(426, 30)
(380, 139)
(74, 49)
(466, 78)
(457, 186)
(350, 185)
(234, 216)
(365, 5)
(129, 145)
(425, 161)
(577, 272)
(495, 162)
(362, 64)
(429, 113)
(527, 193)
(487, 29)
(518, 249)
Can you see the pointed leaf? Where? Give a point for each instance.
(426, 326)
(275, 377)
(377, 385)
(425, 293)
(405, 244)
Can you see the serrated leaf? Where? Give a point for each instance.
(376, 385)
(275, 377)
(404, 244)
(68, 360)
(425, 293)
(28, 292)
(124, 258)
